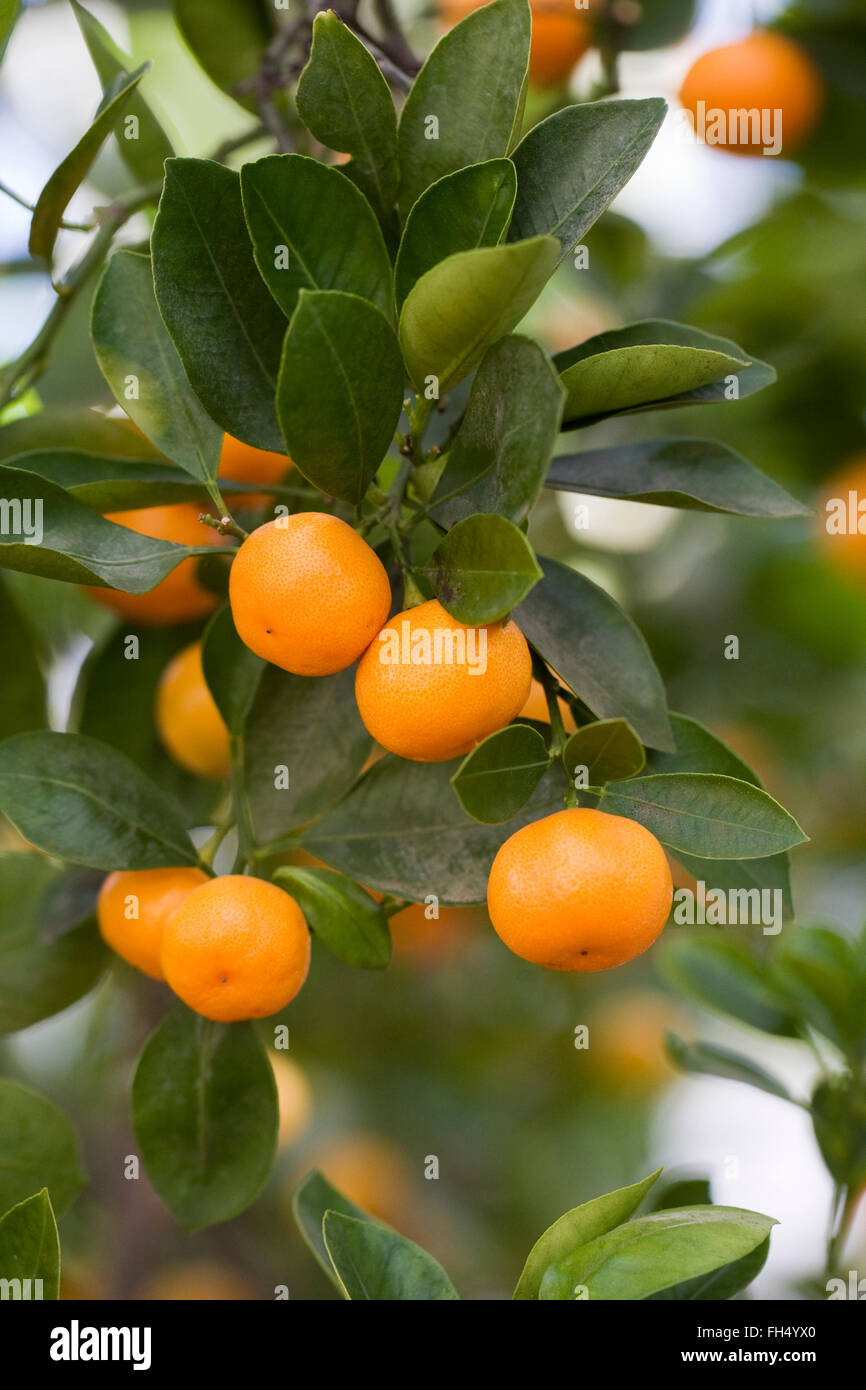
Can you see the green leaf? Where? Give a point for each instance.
(8, 14)
(325, 224)
(83, 801)
(204, 1106)
(596, 650)
(117, 485)
(501, 773)
(577, 1228)
(704, 814)
(130, 341)
(707, 1059)
(146, 152)
(662, 23)
(402, 830)
(310, 726)
(698, 474)
(473, 83)
(839, 1116)
(73, 170)
(459, 212)
(724, 975)
(344, 101)
(340, 391)
(571, 166)
(655, 364)
(609, 749)
(39, 977)
(77, 544)
(499, 456)
(226, 327)
(482, 568)
(465, 303)
(312, 1198)
(38, 1149)
(233, 673)
(771, 874)
(373, 1262)
(341, 914)
(653, 1252)
(721, 1283)
(229, 38)
(30, 1246)
(74, 429)
(814, 971)
(682, 1192)
(22, 693)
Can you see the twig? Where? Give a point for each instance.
(23, 203)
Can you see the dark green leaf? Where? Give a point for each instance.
(707, 1059)
(501, 773)
(768, 875)
(30, 1248)
(699, 474)
(226, 327)
(118, 485)
(38, 1148)
(596, 650)
(571, 166)
(229, 38)
(342, 915)
(681, 1192)
(473, 83)
(459, 212)
(204, 1105)
(609, 749)
(725, 975)
(465, 303)
(373, 1262)
(660, 23)
(233, 673)
(314, 1196)
(68, 429)
(22, 693)
(482, 568)
(83, 801)
(340, 391)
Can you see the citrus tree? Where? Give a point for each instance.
(331, 642)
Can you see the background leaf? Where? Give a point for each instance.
(233, 673)
(343, 916)
(205, 24)
(29, 1245)
(708, 1059)
(501, 773)
(38, 1149)
(373, 1262)
(22, 693)
(724, 975)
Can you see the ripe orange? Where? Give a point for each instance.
(134, 906)
(429, 688)
(308, 593)
(561, 34)
(179, 597)
(189, 723)
(536, 708)
(842, 510)
(243, 463)
(238, 948)
(765, 72)
(580, 890)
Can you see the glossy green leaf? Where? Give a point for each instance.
(577, 1228)
(718, 1284)
(596, 650)
(402, 830)
(40, 976)
(473, 84)
(73, 170)
(708, 1059)
(30, 1247)
(83, 801)
(229, 38)
(145, 147)
(459, 212)
(38, 1148)
(725, 975)
(609, 750)
(653, 1252)
(312, 1198)
(22, 692)
(343, 916)
(375, 1263)
(73, 429)
(140, 363)
(698, 474)
(344, 101)
(704, 814)
(465, 303)
(482, 568)
(571, 166)
(226, 327)
(499, 457)
(233, 673)
(311, 215)
(340, 391)
(204, 1106)
(501, 773)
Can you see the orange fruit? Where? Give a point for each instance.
(430, 688)
(189, 723)
(179, 598)
(237, 948)
(294, 1097)
(536, 708)
(841, 514)
(764, 72)
(627, 1041)
(308, 594)
(561, 34)
(204, 1281)
(134, 906)
(242, 463)
(580, 890)
(419, 937)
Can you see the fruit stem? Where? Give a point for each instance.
(226, 526)
(208, 850)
